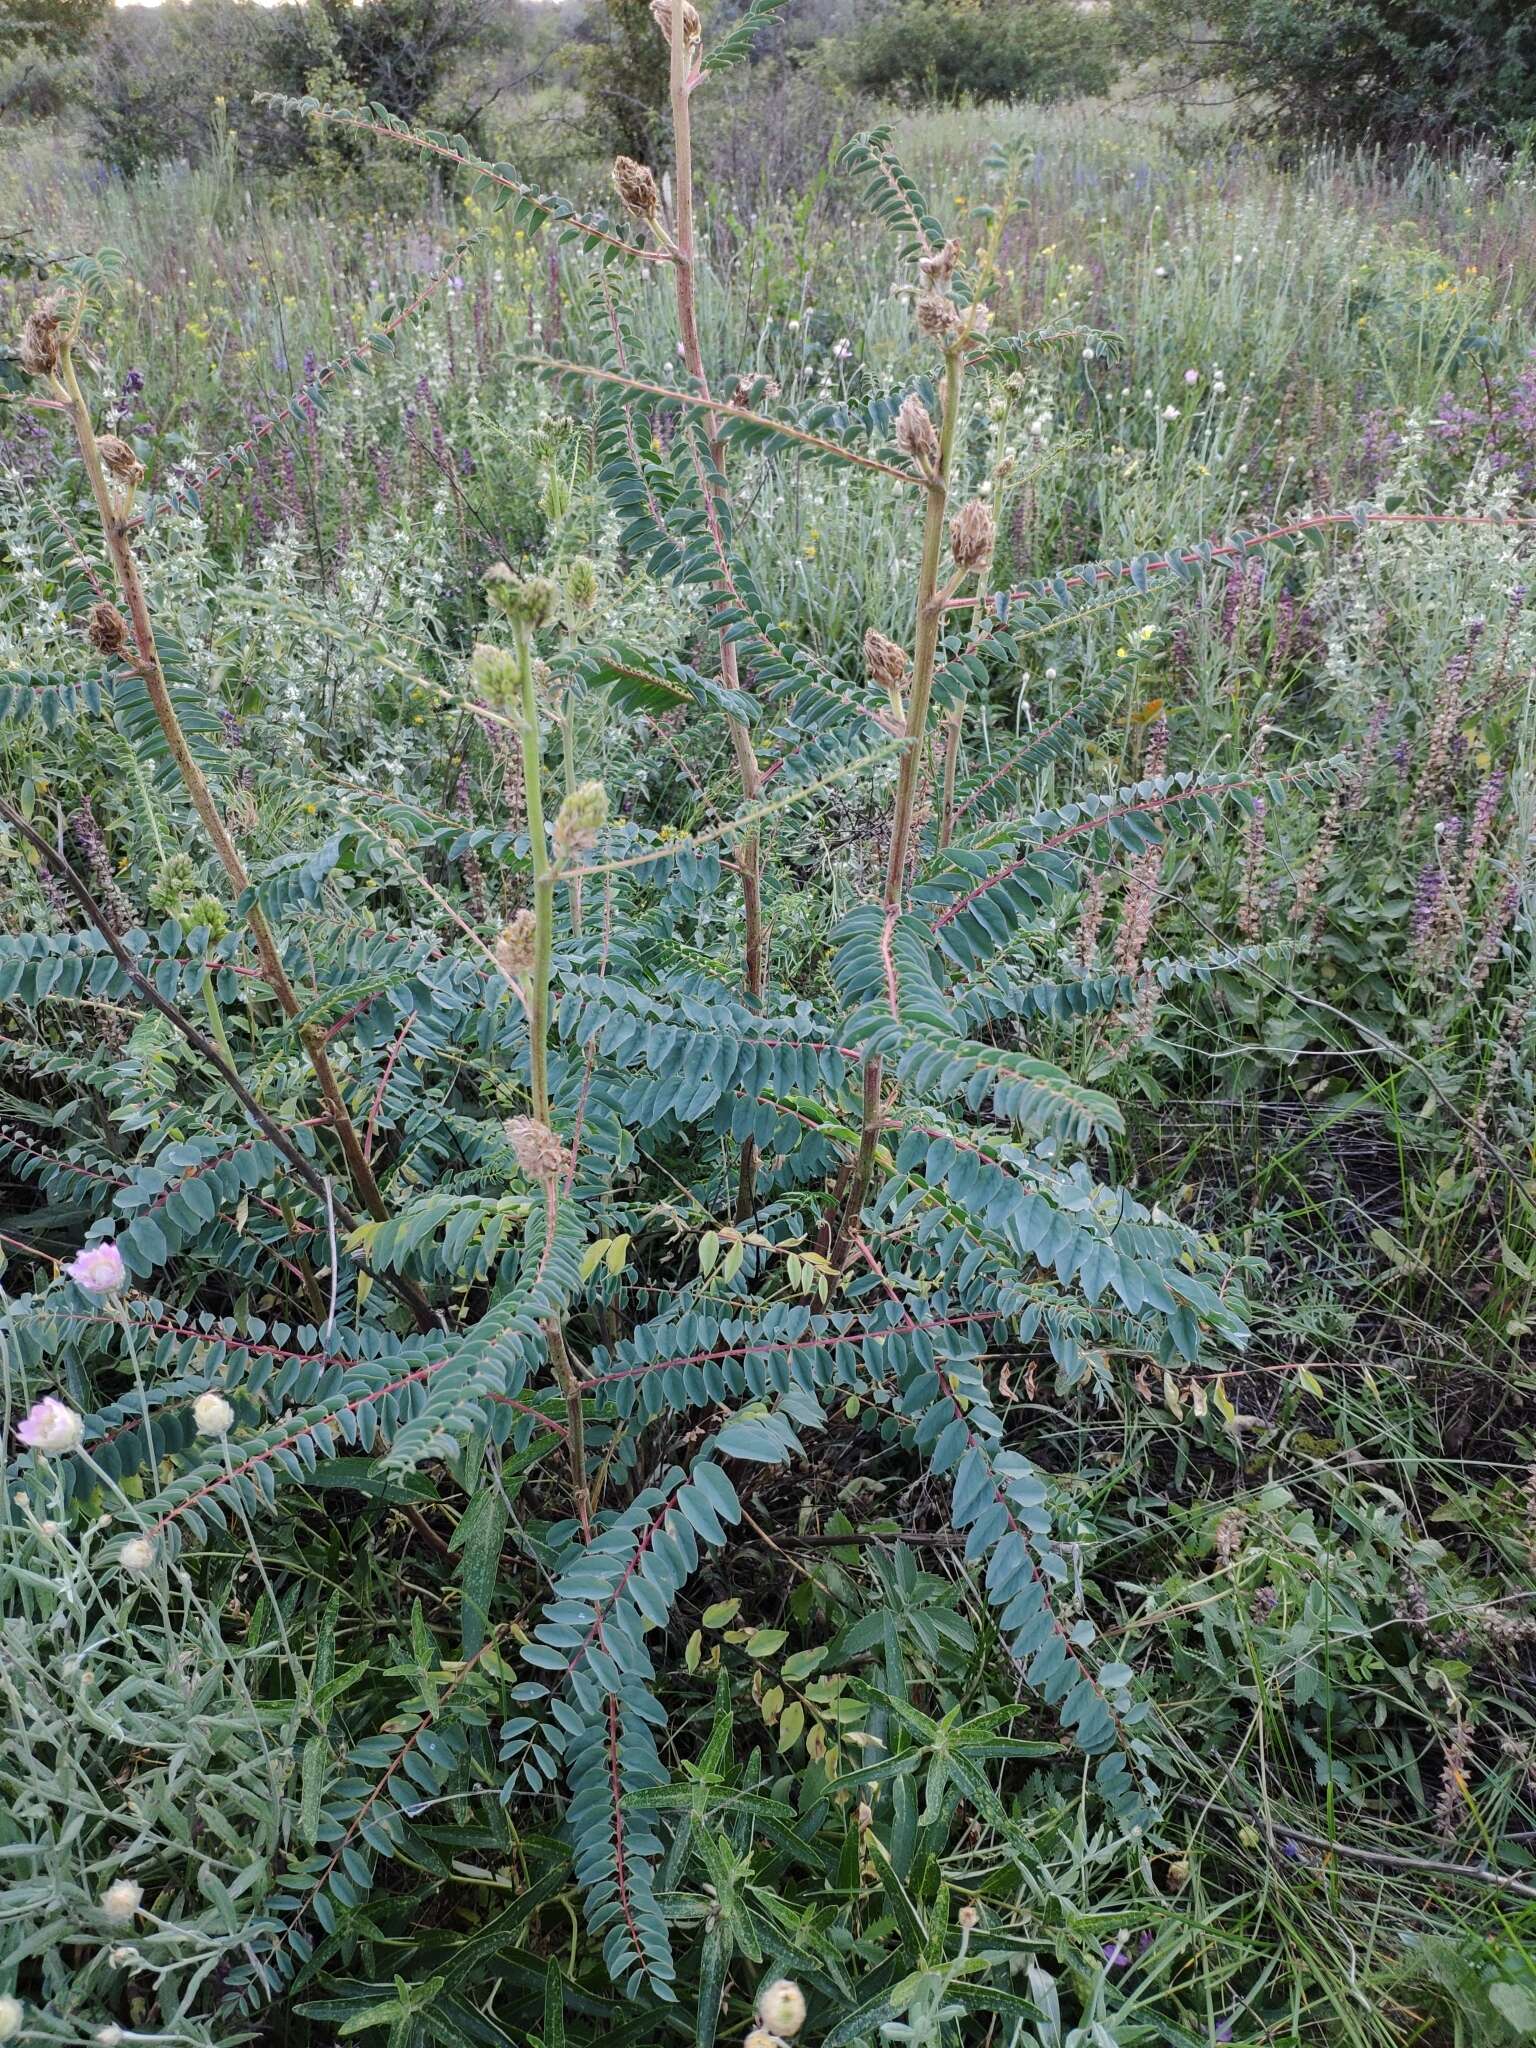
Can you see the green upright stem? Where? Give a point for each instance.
(930, 620)
(126, 570)
(543, 879)
(749, 859)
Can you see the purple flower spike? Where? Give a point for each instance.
(1114, 1955)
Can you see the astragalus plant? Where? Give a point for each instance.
(492, 1157)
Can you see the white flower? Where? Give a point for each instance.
(137, 1554)
(213, 1415)
(108, 2037)
(1161, 270)
(50, 1426)
(11, 2017)
(120, 1901)
(1170, 412)
(98, 1268)
(782, 2008)
(1218, 390)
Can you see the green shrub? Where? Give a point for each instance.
(1396, 71)
(944, 50)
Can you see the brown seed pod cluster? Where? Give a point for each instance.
(916, 434)
(636, 188)
(106, 628)
(42, 339)
(972, 535)
(538, 1152)
(119, 460)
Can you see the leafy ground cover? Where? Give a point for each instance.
(897, 1357)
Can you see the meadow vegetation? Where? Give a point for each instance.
(766, 1216)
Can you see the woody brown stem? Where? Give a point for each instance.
(749, 857)
(125, 568)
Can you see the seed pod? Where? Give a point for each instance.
(106, 628)
(971, 535)
(538, 1152)
(661, 14)
(939, 266)
(119, 460)
(582, 816)
(514, 949)
(937, 316)
(764, 389)
(636, 188)
(915, 432)
(885, 662)
(40, 346)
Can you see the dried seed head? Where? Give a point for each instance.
(937, 316)
(41, 342)
(526, 600)
(582, 589)
(762, 390)
(636, 188)
(939, 267)
(661, 14)
(885, 662)
(106, 628)
(514, 949)
(971, 535)
(916, 434)
(539, 1154)
(967, 1919)
(493, 673)
(582, 816)
(119, 460)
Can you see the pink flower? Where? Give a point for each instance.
(98, 1268)
(49, 1426)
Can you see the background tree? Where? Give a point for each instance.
(940, 50)
(1376, 70)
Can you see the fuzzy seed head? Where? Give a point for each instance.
(41, 344)
(120, 1901)
(106, 629)
(661, 14)
(515, 947)
(582, 816)
(760, 2038)
(938, 316)
(971, 535)
(916, 434)
(636, 188)
(885, 662)
(11, 2018)
(782, 2008)
(136, 1555)
(494, 675)
(939, 266)
(119, 460)
(755, 390)
(526, 600)
(582, 589)
(213, 1415)
(539, 1154)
